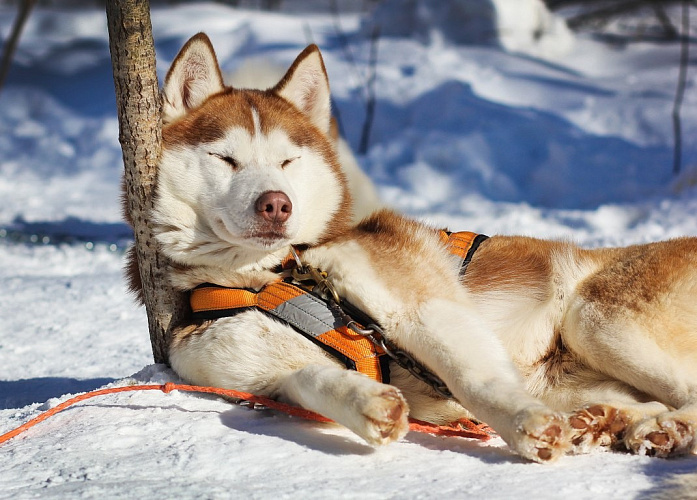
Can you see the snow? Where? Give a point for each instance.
(507, 136)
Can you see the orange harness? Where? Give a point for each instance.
(306, 312)
(463, 244)
(315, 317)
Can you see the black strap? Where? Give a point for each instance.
(468, 258)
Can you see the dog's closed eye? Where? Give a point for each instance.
(227, 159)
(288, 161)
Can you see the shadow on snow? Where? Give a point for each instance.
(505, 153)
(20, 393)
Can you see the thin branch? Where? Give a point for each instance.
(560, 4)
(25, 8)
(370, 84)
(602, 15)
(660, 11)
(680, 91)
(348, 54)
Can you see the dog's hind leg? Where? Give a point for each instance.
(617, 416)
(635, 321)
(376, 412)
(604, 411)
(628, 350)
(600, 408)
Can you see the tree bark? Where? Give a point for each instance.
(139, 103)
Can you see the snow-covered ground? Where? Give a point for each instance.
(567, 137)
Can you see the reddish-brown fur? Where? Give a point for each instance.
(639, 277)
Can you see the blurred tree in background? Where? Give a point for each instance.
(640, 18)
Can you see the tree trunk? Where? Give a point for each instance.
(138, 104)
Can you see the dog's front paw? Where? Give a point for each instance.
(541, 435)
(385, 416)
(597, 425)
(663, 436)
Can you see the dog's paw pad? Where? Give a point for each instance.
(662, 436)
(542, 436)
(597, 425)
(386, 416)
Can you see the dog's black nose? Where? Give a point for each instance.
(274, 206)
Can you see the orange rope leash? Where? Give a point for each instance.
(462, 428)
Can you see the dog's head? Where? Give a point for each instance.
(246, 173)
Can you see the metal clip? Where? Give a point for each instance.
(365, 332)
(319, 278)
(324, 285)
(251, 405)
(296, 257)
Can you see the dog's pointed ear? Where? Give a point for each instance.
(306, 86)
(193, 78)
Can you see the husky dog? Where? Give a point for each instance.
(606, 341)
